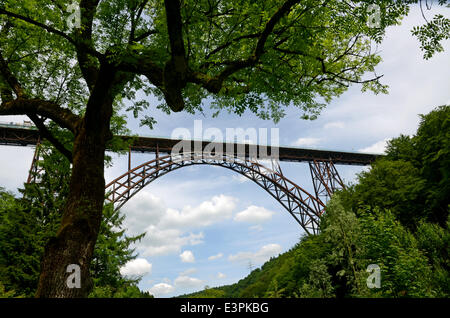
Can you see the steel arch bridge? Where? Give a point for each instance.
(304, 207)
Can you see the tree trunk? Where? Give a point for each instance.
(76, 237)
(73, 246)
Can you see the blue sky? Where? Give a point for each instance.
(207, 225)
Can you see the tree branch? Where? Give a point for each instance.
(38, 24)
(9, 78)
(62, 116)
(89, 67)
(135, 19)
(227, 44)
(45, 133)
(82, 42)
(270, 25)
(176, 69)
(174, 28)
(141, 64)
(214, 84)
(5, 90)
(144, 35)
(25, 106)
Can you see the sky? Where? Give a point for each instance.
(208, 226)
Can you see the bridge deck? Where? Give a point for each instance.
(27, 136)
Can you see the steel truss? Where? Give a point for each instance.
(304, 207)
(326, 179)
(36, 170)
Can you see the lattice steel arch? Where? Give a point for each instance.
(304, 207)
(36, 170)
(326, 179)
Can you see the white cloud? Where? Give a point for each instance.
(221, 275)
(142, 212)
(167, 241)
(187, 257)
(208, 212)
(308, 142)
(257, 257)
(161, 289)
(254, 214)
(136, 267)
(214, 257)
(168, 230)
(377, 148)
(187, 282)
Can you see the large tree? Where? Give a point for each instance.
(70, 65)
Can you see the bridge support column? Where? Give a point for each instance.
(35, 170)
(157, 157)
(129, 168)
(326, 179)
